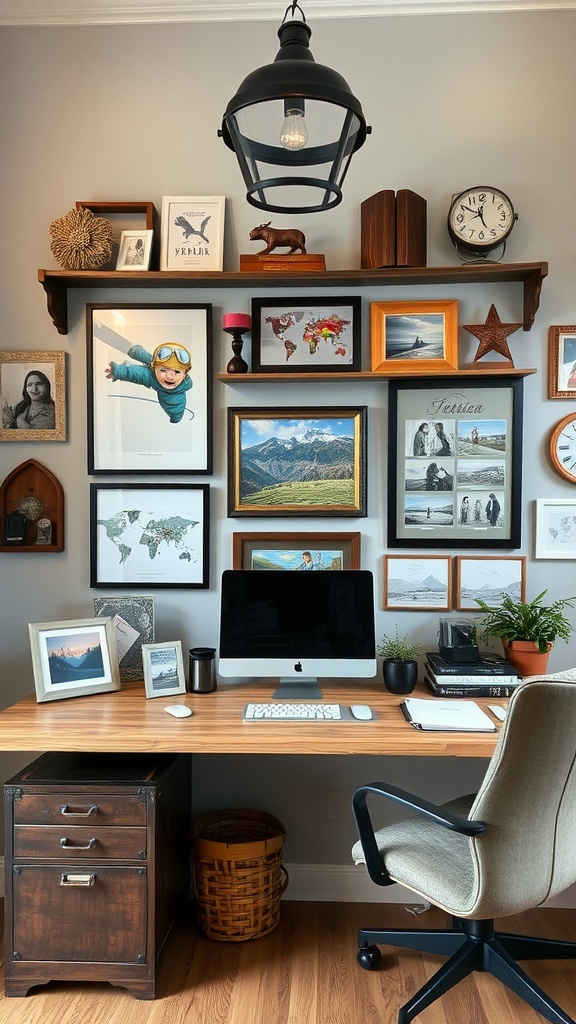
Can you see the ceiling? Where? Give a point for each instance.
(110, 12)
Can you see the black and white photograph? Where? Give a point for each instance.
(32, 396)
(489, 578)
(163, 669)
(414, 583)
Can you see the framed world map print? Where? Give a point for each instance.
(148, 535)
(310, 335)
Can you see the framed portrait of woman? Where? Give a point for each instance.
(32, 396)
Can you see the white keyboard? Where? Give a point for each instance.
(280, 711)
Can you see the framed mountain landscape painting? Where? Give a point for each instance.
(301, 462)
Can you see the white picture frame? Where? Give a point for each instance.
(192, 233)
(135, 250)
(73, 658)
(163, 669)
(555, 528)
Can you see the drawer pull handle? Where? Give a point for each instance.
(67, 812)
(77, 879)
(67, 845)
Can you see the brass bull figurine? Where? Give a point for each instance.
(275, 237)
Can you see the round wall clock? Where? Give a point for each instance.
(563, 447)
(480, 219)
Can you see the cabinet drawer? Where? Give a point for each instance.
(71, 842)
(78, 806)
(94, 914)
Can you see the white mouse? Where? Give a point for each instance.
(178, 710)
(362, 712)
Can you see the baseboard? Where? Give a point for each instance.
(345, 883)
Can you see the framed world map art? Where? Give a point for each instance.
(310, 335)
(149, 535)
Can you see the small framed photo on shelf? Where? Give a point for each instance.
(296, 551)
(149, 388)
(562, 362)
(299, 462)
(416, 583)
(149, 535)
(192, 233)
(135, 250)
(489, 577)
(74, 658)
(414, 338)
(163, 669)
(555, 528)
(455, 462)
(311, 335)
(133, 622)
(33, 396)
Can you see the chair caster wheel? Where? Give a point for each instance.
(369, 957)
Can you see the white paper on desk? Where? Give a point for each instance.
(124, 634)
(447, 715)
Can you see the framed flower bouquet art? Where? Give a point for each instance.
(455, 462)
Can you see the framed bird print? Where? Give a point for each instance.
(192, 233)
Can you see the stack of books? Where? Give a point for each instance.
(490, 676)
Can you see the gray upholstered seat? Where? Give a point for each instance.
(501, 852)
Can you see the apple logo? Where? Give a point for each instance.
(298, 666)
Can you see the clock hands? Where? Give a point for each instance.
(477, 213)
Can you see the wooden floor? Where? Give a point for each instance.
(305, 972)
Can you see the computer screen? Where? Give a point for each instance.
(297, 627)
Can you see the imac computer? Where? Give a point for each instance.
(297, 627)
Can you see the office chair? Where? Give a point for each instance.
(501, 852)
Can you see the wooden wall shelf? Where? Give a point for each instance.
(334, 378)
(57, 282)
(32, 479)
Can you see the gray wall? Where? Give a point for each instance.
(132, 113)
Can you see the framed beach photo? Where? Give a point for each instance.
(412, 338)
(489, 577)
(555, 528)
(149, 535)
(73, 658)
(455, 462)
(33, 396)
(296, 551)
(135, 250)
(299, 462)
(149, 388)
(415, 583)
(562, 362)
(192, 233)
(134, 625)
(163, 669)
(311, 335)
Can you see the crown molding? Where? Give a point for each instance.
(127, 12)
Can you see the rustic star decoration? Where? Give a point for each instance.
(492, 335)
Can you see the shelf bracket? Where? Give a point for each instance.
(56, 301)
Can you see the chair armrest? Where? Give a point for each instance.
(440, 815)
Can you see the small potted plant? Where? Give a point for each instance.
(527, 629)
(399, 668)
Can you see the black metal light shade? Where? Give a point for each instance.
(294, 126)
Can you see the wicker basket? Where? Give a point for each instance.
(238, 873)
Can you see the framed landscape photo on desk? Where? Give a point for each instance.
(455, 462)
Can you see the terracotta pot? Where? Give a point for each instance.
(399, 676)
(526, 657)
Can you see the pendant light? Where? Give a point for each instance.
(294, 126)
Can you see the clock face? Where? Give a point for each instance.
(563, 447)
(480, 218)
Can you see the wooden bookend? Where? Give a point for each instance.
(410, 229)
(378, 230)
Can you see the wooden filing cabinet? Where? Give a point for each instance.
(97, 867)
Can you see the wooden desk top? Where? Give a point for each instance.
(126, 721)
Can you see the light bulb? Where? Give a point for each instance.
(294, 133)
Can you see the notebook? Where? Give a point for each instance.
(446, 715)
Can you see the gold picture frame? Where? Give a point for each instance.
(21, 407)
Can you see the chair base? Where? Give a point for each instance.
(472, 946)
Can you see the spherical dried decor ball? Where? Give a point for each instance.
(81, 241)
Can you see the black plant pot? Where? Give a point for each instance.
(400, 676)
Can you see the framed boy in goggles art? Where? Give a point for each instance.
(149, 404)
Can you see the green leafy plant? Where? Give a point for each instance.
(522, 620)
(398, 648)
